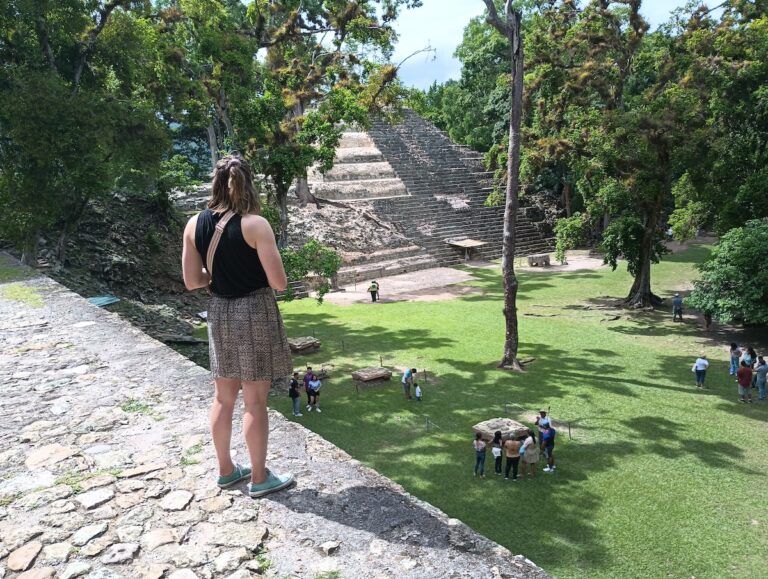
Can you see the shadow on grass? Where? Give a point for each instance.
(719, 385)
(668, 439)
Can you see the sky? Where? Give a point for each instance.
(440, 24)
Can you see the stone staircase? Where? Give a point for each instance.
(447, 186)
(385, 263)
(359, 173)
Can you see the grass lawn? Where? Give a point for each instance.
(659, 480)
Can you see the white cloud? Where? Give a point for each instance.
(440, 23)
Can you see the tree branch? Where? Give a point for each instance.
(494, 20)
(90, 44)
(45, 42)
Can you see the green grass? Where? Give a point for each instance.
(659, 480)
(189, 458)
(22, 293)
(10, 271)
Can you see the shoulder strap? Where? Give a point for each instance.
(215, 240)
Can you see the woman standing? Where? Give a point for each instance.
(247, 341)
(700, 368)
(753, 357)
(512, 450)
(530, 454)
(479, 445)
(496, 451)
(761, 372)
(314, 391)
(735, 355)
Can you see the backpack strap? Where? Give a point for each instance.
(215, 240)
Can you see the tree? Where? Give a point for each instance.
(733, 286)
(508, 25)
(727, 63)
(74, 119)
(278, 79)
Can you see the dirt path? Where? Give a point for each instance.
(427, 285)
(445, 283)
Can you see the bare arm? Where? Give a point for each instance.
(191, 262)
(258, 234)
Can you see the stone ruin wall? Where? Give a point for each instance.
(107, 472)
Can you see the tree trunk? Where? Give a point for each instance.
(640, 295)
(511, 338)
(282, 208)
(213, 145)
(71, 222)
(567, 192)
(222, 108)
(303, 193)
(29, 249)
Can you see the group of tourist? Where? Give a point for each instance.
(749, 370)
(518, 450)
(312, 385)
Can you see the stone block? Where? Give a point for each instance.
(372, 374)
(509, 428)
(304, 345)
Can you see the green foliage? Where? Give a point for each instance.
(689, 214)
(176, 172)
(153, 240)
(312, 257)
(569, 233)
(75, 111)
(623, 239)
(734, 283)
(271, 214)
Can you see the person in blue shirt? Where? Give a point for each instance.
(408, 377)
(677, 308)
(548, 447)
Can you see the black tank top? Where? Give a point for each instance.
(237, 267)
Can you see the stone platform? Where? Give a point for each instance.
(106, 471)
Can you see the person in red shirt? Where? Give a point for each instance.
(744, 378)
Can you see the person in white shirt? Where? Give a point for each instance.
(314, 392)
(418, 393)
(700, 368)
(542, 420)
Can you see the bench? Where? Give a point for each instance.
(541, 260)
(468, 245)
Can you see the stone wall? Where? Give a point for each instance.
(107, 471)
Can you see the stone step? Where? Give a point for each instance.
(352, 139)
(355, 172)
(384, 255)
(366, 272)
(358, 155)
(360, 190)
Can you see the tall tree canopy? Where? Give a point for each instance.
(633, 130)
(92, 93)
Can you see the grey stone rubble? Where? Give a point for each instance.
(122, 485)
(510, 429)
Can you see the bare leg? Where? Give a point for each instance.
(221, 422)
(256, 427)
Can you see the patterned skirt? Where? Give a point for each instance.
(246, 337)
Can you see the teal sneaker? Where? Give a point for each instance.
(274, 483)
(240, 473)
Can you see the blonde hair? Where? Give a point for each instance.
(233, 188)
